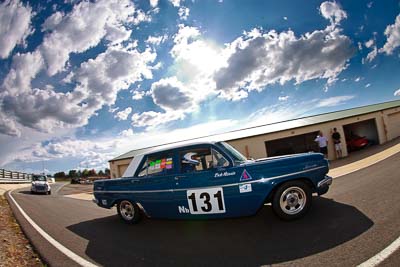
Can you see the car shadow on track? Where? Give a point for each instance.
(251, 241)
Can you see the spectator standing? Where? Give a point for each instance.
(336, 140)
(322, 143)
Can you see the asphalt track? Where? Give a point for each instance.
(357, 219)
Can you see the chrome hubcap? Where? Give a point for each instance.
(126, 209)
(293, 200)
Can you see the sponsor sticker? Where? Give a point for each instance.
(245, 188)
(245, 176)
(224, 174)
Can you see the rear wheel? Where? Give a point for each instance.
(128, 211)
(292, 200)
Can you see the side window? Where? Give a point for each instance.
(195, 160)
(159, 164)
(219, 161)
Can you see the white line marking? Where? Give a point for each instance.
(58, 189)
(78, 259)
(381, 256)
(378, 157)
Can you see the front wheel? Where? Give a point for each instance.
(292, 200)
(128, 211)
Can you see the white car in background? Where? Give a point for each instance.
(40, 185)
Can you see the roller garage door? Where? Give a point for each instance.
(292, 145)
(394, 125)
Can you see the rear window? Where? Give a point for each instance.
(160, 164)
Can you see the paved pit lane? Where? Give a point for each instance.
(357, 219)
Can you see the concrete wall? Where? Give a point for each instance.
(387, 128)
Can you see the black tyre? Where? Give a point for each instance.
(49, 192)
(292, 200)
(128, 211)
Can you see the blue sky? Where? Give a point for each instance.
(84, 81)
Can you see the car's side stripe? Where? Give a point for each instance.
(263, 180)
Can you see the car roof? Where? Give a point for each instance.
(172, 147)
(130, 171)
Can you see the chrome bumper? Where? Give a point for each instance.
(327, 181)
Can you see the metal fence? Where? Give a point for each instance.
(12, 175)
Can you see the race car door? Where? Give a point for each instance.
(200, 188)
(154, 183)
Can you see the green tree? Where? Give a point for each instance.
(107, 171)
(72, 174)
(101, 173)
(92, 172)
(85, 173)
(59, 175)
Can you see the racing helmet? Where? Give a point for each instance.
(189, 158)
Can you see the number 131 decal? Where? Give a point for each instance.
(206, 201)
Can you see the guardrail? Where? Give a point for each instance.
(14, 176)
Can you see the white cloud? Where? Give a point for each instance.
(367, 85)
(285, 18)
(369, 5)
(369, 43)
(272, 114)
(173, 97)
(96, 152)
(333, 12)
(392, 33)
(359, 46)
(84, 27)
(283, 98)
(183, 13)
(357, 79)
(23, 69)
(335, 101)
(153, 3)
(123, 115)
(261, 59)
(156, 40)
(137, 95)
(98, 82)
(175, 3)
(127, 133)
(372, 55)
(170, 94)
(374, 50)
(397, 93)
(8, 127)
(152, 119)
(15, 19)
(52, 21)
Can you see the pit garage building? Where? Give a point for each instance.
(379, 123)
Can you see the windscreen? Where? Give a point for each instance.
(39, 178)
(237, 156)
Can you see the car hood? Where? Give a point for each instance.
(305, 158)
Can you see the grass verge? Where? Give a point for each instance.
(15, 249)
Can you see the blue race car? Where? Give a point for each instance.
(213, 180)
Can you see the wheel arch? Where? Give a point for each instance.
(305, 180)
